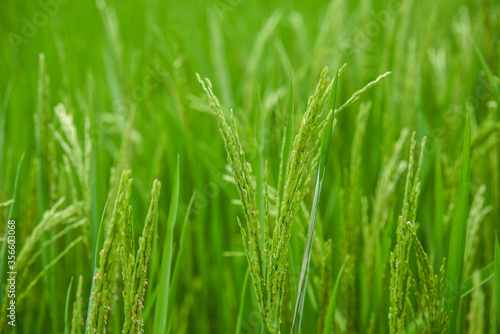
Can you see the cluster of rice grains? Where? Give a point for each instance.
(267, 242)
(119, 251)
(429, 292)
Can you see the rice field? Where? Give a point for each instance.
(235, 166)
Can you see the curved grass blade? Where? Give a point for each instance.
(66, 308)
(46, 269)
(177, 266)
(161, 309)
(325, 148)
(485, 274)
(458, 234)
(242, 302)
(3, 255)
(330, 314)
(3, 121)
(497, 283)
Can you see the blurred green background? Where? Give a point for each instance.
(128, 69)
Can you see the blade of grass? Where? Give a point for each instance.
(438, 208)
(458, 233)
(242, 302)
(3, 120)
(177, 266)
(66, 308)
(46, 269)
(9, 217)
(325, 148)
(497, 284)
(161, 310)
(485, 274)
(330, 314)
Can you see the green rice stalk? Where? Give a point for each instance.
(429, 294)
(400, 282)
(134, 269)
(458, 234)
(246, 189)
(325, 148)
(302, 162)
(376, 249)
(299, 306)
(360, 92)
(351, 227)
(305, 155)
(103, 281)
(77, 154)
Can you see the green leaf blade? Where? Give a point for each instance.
(458, 234)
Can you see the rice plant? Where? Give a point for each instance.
(267, 252)
(360, 200)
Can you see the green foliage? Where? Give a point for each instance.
(79, 106)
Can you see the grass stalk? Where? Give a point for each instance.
(161, 310)
(458, 236)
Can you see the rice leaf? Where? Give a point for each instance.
(330, 315)
(161, 310)
(3, 255)
(46, 269)
(242, 302)
(178, 263)
(458, 236)
(481, 276)
(3, 121)
(497, 284)
(66, 308)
